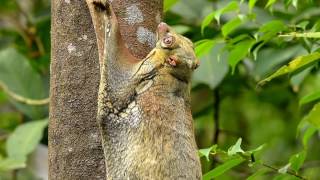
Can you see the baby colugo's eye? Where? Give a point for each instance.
(168, 41)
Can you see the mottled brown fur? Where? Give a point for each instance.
(144, 109)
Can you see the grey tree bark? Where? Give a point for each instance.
(75, 150)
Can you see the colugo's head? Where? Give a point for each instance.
(179, 49)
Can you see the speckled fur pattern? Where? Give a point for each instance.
(152, 136)
(154, 139)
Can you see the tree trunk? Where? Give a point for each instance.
(75, 150)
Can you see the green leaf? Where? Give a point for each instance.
(230, 26)
(251, 4)
(297, 160)
(273, 26)
(314, 116)
(298, 63)
(25, 138)
(203, 47)
(307, 135)
(257, 174)
(232, 6)
(167, 4)
(259, 148)
(206, 152)
(270, 58)
(270, 2)
(310, 97)
(17, 74)
(212, 70)
(271, 29)
(239, 51)
(222, 168)
(207, 20)
(233, 41)
(303, 25)
(236, 148)
(295, 3)
(256, 50)
(11, 164)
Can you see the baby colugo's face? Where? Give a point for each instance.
(179, 51)
(178, 47)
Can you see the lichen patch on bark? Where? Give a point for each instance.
(71, 48)
(134, 15)
(145, 36)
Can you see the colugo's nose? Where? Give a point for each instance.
(163, 27)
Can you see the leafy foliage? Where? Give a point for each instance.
(21, 82)
(256, 39)
(294, 65)
(24, 139)
(313, 116)
(222, 168)
(24, 67)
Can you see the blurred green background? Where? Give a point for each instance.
(255, 96)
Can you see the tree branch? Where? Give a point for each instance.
(277, 170)
(21, 99)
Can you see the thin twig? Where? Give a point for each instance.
(39, 45)
(216, 115)
(301, 35)
(287, 172)
(24, 100)
(30, 35)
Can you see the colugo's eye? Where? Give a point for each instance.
(167, 41)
